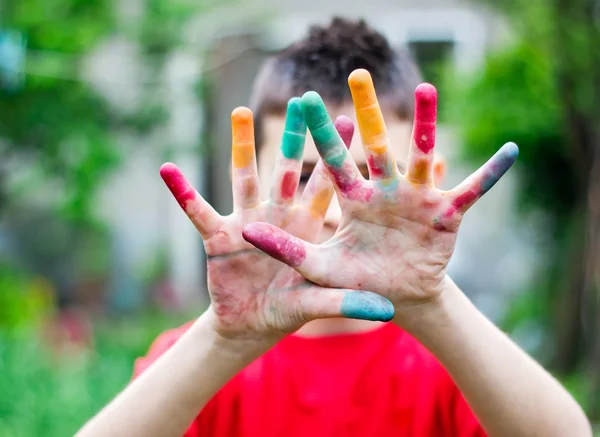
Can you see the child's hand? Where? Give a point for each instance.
(253, 295)
(398, 232)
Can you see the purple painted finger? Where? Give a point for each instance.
(480, 182)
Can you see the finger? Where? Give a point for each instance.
(283, 246)
(245, 174)
(289, 162)
(420, 155)
(339, 163)
(345, 128)
(318, 192)
(480, 182)
(371, 125)
(202, 215)
(318, 302)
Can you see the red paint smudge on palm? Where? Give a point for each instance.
(289, 184)
(276, 243)
(466, 199)
(177, 183)
(376, 168)
(425, 116)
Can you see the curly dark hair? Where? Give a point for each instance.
(323, 61)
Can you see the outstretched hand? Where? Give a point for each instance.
(252, 295)
(398, 232)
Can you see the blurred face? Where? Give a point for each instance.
(399, 132)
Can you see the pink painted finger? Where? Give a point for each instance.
(202, 215)
(319, 191)
(281, 245)
(318, 303)
(345, 127)
(471, 189)
(420, 156)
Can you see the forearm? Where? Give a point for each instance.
(165, 399)
(509, 392)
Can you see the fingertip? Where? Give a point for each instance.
(365, 305)
(176, 182)
(425, 103)
(426, 93)
(310, 102)
(167, 169)
(360, 78)
(241, 114)
(511, 150)
(294, 117)
(345, 127)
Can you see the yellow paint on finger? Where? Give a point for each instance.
(242, 134)
(368, 112)
(320, 203)
(419, 171)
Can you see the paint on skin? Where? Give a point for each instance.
(275, 243)
(320, 203)
(367, 306)
(177, 183)
(345, 128)
(242, 134)
(377, 166)
(419, 171)
(388, 185)
(493, 170)
(289, 184)
(326, 137)
(292, 143)
(368, 113)
(498, 165)
(249, 189)
(352, 189)
(425, 115)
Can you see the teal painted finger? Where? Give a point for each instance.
(292, 143)
(326, 137)
(367, 306)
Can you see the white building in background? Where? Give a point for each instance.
(239, 38)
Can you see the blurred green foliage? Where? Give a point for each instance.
(543, 93)
(56, 121)
(42, 394)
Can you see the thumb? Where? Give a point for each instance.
(316, 303)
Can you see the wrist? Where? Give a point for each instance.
(431, 314)
(241, 349)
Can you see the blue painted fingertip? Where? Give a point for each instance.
(366, 305)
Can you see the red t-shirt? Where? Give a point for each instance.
(379, 383)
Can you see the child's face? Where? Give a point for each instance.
(399, 132)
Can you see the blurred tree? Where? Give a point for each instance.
(55, 123)
(544, 94)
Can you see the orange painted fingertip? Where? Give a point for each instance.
(242, 135)
(362, 88)
(242, 126)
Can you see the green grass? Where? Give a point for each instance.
(43, 396)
